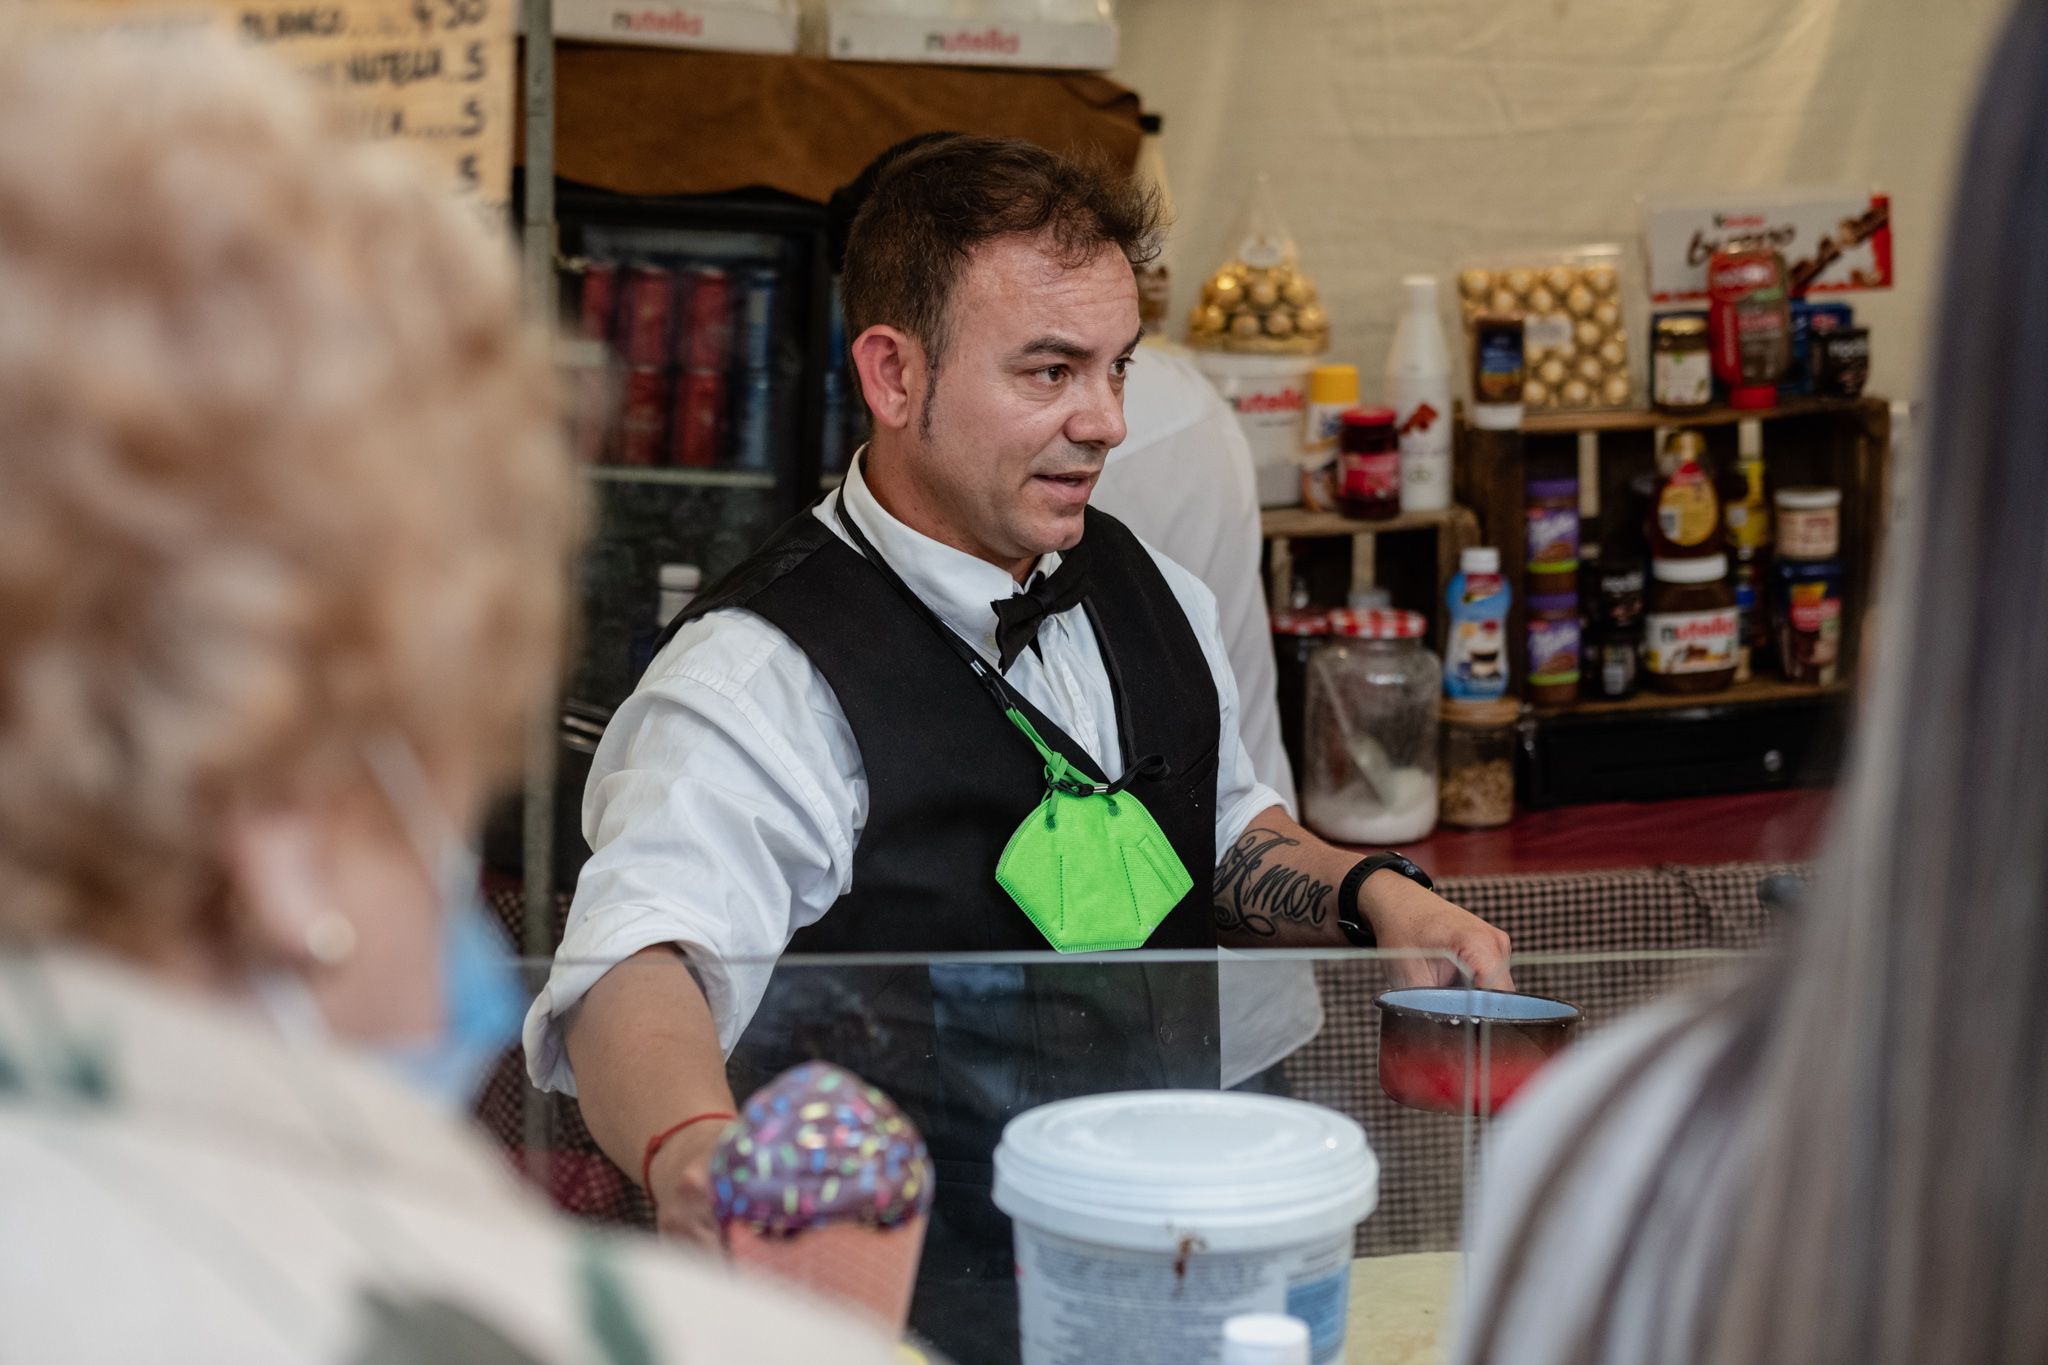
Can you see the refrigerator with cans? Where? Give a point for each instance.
(706, 403)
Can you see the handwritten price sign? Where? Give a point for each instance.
(433, 74)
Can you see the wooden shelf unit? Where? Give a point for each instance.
(1844, 443)
(1650, 419)
(1756, 691)
(1413, 581)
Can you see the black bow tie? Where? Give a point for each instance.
(1018, 616)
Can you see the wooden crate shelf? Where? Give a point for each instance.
(1842, 442)
(1302, 523)
(1649, 419)
(1757, 691)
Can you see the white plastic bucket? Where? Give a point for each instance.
(1145, 1220)
(1269, 394)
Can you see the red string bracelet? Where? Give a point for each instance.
(654, 1144)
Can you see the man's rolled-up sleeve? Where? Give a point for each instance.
(723, 806)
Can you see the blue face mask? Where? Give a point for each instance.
(482, 1003)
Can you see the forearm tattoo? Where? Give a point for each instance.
(1256, 897)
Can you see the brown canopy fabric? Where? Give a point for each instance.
(663, 121)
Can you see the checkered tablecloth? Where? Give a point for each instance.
(1585, 924)
(1596, 920)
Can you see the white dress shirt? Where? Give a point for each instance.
(1182, 479)
(727, 796)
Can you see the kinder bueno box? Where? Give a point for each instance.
(1833, 240)
(1084, 46)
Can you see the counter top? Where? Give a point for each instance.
(1704, 831)
(1399, 1305)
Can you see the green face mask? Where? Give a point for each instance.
(1090, 866)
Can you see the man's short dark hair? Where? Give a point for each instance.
(933, 204)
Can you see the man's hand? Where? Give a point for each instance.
(1406, 916)
(679, 1183)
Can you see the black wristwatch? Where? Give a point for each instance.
(1350, 918)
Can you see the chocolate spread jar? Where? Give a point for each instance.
(1691, 630)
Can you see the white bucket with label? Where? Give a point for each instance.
(1145, 1220)
(1269, 394)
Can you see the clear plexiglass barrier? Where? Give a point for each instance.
(1126, 1200)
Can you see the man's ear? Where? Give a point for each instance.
(893, 374)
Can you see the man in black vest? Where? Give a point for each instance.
(819, 761)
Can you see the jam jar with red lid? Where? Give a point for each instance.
(1369, 465)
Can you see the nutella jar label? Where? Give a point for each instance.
(1690, 641)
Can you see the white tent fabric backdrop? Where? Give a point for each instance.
(1407, 135)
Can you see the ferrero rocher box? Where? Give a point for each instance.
(1260, 302)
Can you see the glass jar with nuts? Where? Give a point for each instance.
(1479, 740)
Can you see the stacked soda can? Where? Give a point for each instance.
(703, 355)
(592, 426)
(649, 311)
(753, 442)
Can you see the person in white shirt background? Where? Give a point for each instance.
(288, 531)
(744, 803)
(1182, 479)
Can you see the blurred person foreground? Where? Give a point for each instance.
(285, 535)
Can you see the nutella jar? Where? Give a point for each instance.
(1691, 630)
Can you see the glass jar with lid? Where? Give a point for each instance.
(1480, 739)
(1370, 733)
(1681, 363)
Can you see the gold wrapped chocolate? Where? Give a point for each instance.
(1577, 346)
(1262, 302)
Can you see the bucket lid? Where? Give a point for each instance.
(1379, 624)
(1706, 569)
(1333, 384)
(1144, 1170)
(1265, 1339)
(1481, 715)
(1311, 621)
(1809, 499)
(1369, 417)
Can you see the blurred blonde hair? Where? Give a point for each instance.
(279, 470)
